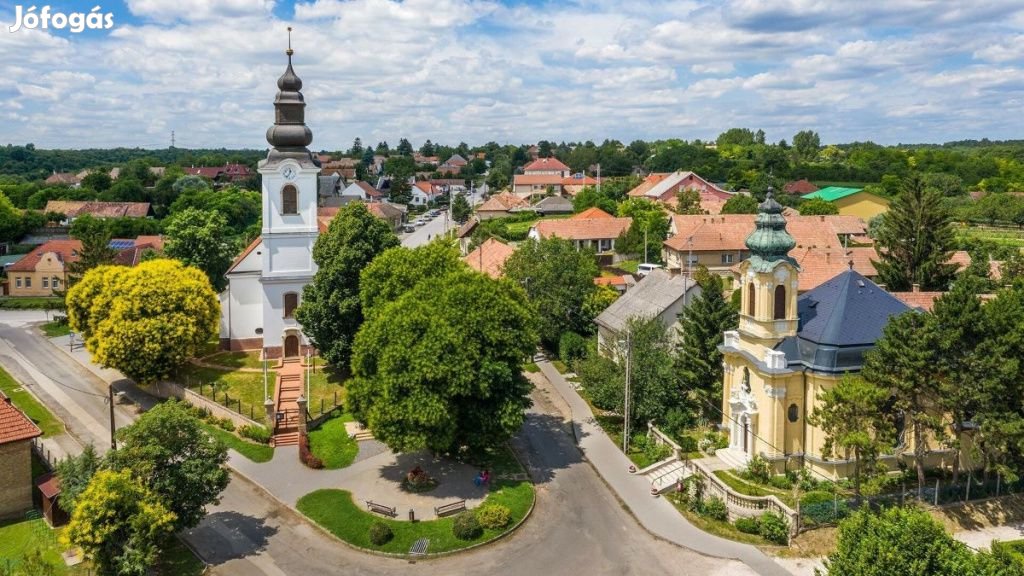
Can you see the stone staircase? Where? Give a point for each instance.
(289, 388)
(358, 432)
(664, 475)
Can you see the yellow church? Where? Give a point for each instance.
(788, 348)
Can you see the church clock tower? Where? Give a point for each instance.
(290, 177)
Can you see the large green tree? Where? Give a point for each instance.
(909, 542)
(702, 325)
(916, 240)
(119, 524)
(440, 367)
(905, 362)
(200, 239)
(817, 207)
(168, 450)
(11, 227)
(396, 270)
(330, 312)
(75, 473)
(461, 209)
(145, 321)
(852, 415)
(558, 279)
(94, 234)
(740, 204)
(806, 144)
(650, 224)
(654, 384)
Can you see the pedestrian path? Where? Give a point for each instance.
(655, 514)
(288, 390)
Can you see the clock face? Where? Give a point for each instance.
(288, 173)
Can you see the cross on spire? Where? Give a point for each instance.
(289, 52)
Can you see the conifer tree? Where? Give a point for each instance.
(916, 240)
(701, 328)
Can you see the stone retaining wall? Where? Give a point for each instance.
(175, 390)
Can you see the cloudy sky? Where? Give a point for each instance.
(889, 71)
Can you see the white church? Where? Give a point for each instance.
(265, 282)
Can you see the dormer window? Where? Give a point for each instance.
(289, 200)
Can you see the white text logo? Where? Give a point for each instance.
(46, 19)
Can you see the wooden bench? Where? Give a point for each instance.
(381, 509)
(452, 508)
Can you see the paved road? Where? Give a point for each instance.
(578, 525)
(437, 226)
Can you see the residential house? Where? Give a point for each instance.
(550, 166)
(393, 214)
(465, 234)
(453, 165)
(540, 176)
(799, 187)
(852, 201)
(553, 205)
(421, 159)
(345, 167)
(620, 283)
(363, 191)
(574, 184)
(329, 187)
(718, 242)
(63, 179)
(225, 173)
(489, 257)
(500, 205)
(423, 193)
(46, 268)
(665, 188)
(592, 228)
(448, 185)
(72, 209)
(16, 434)
(657, 295)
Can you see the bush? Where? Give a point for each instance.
(255, 433)
(676, 419)
(748, 525)
(715, 509)
(780, 482)
(226, 424)
(493, 516)
(306, 456)
(380, 533)
(687, 443)
(571, 347)
(466, 526)
(758, 470)
(773, 528)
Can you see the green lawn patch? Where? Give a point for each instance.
(332, 444)
(531, 367)
(628, 265)
(237, 385)
(31, 303)
(18, 537)
(28, 404)
(56, 329)
(716, 527)
(231, 360)
(750, 489)
(251, 450)
(340, 515)
(326, 385)
(560, 366)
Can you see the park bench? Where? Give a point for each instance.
(388, 511)
(452, 508)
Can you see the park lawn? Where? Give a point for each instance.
(232, 360)
(332, 444)
(340, 515)
(238, 385)
(19, 536)
(1001, 236)
(28, 404)
(325, 386)
(751, 489)
(56, 329)
(251, 450)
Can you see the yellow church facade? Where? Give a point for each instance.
(789, 348)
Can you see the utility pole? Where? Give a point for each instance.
(598, 179)
(172, 138)
(625, 420)
(645, 246)
(110, 400)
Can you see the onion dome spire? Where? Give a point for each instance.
(770, 243)
(289, 135)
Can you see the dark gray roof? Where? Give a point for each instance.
(840, 320)
(651, 297)
(328, 185)
(553, 204)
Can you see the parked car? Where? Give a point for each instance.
(645, 269)
(419, 222)
(409, 228)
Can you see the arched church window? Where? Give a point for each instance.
(289, 200)
(750, 299)
(794, 413)
(291, 302)
(780, 302)
(746, 379)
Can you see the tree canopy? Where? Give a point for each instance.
(817, 207)
(702, 325)
(740, 204)
(145, 321)
(201, 239)
(331, 312)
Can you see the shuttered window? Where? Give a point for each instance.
(289, 200)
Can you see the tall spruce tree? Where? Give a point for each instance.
(701, 328)
(916, 240)
(330, 312)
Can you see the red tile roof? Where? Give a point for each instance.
(502, 203)
(489, 257)
(799, 187)
(66, 251)
(15, 426)
(730, 231)
(75, 208)
(610, 280)
(537, 179)
(601, 228)
(252, 246)
(545, 164)
(589, 213)
(49, 485)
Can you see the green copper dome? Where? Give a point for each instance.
(770, 243)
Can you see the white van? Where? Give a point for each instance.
(645, 269)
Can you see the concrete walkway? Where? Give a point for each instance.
(655, 513)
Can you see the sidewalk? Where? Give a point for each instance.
(655, 514)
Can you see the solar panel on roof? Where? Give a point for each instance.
(121, 244)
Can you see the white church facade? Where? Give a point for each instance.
(265, 282)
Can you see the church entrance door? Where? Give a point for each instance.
(291, 346)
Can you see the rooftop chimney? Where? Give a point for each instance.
(916, 288)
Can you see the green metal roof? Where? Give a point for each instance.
(770, 243)
(832, 193)
(10, 259)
